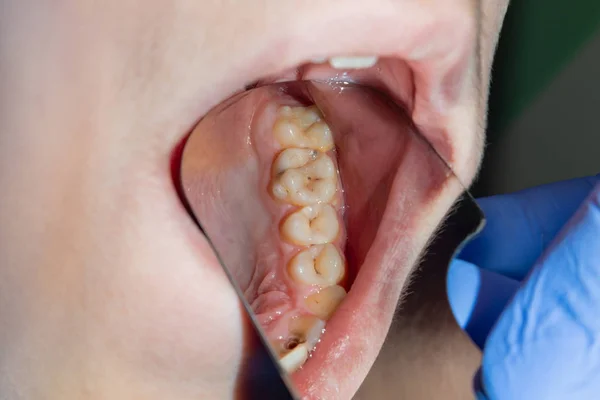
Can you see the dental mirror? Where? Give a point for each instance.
(305, 190)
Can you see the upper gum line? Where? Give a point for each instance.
(304, 179)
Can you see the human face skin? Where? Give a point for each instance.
(107, 288)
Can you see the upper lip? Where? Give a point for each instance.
(413, 32)
(385, 29)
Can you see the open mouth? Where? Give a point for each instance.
(320, 194)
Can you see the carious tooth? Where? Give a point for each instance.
(315, 224)
(303, 127)
(279, 345)
(303, 177)
(325, 302)
(352, 62)
(306, 329)
(294, 359)
(318, 265)
(303, 329)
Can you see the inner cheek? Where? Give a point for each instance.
(371, 151)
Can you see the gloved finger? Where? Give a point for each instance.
(546, 344)
(520, 225)
(477, 297)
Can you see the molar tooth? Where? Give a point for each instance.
(294, 359)
(318, 265)
(325, 302)
(315, 224)
(352, 62)
(303, 177)
(303, 127)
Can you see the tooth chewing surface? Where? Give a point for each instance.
(316, 224)
(303, 127)
(302, 177)
(294, 359)
(325, 302)
(307, 329)
(318, 265)
(304, 184)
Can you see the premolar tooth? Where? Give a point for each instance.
(303, 127)
(303, 177)
(294, 359)
(315, 224)
(352, 62)
(325, 302)
(279, 346)
(307, 329)
(318, 265)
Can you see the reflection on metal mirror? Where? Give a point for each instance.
(290, 182)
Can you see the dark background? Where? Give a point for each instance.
(545, 96)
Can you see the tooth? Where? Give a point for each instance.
(303, 177)
(352, 62)
(294, 359)
(318, 265)
(305, 332)
(307, 329)
(326, 301)
(279, 346)
(303, 127)
(315, 224)
(303, 329)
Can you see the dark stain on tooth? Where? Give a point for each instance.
(292, 343)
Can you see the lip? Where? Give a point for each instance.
(418, 34)
(349, 31)
(357, 330)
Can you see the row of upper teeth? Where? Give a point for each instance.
(348, 62)
(304, 175)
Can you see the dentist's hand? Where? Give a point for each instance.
(527, 291)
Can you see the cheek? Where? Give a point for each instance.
(167, 325)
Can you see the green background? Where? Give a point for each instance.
(539, 41)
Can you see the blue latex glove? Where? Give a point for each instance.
(527, 291)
